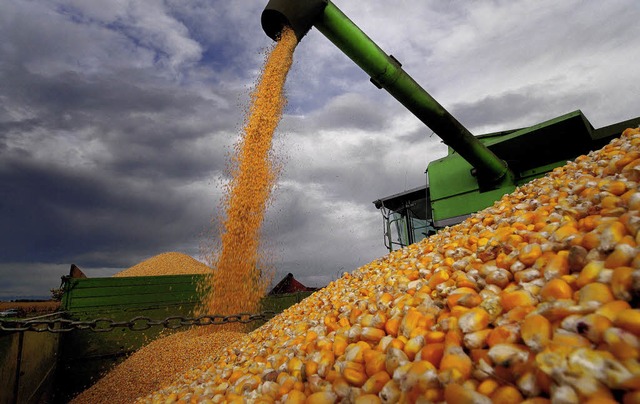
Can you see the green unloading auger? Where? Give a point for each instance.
(385, 72)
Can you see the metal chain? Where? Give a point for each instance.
(139, 323)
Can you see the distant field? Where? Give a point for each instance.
(31, 308)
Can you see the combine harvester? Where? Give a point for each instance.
(477, 170)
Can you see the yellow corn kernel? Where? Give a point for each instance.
(368, 399)
(310, 367)
(502, 334)
(629, 320)
(327, 359)
(488, 386)
(395, 358)
(433, 395)
(420, 331)
(311, 336)
(621, 343)
(556, 289)
(476, 339)
(413, 346)
(612, 235)
(630, 220)
(517, 314)
(616, 187)
(392, 326)
(528, 381)
(458, 311)
(355, 352)
(322, 397)
(434, 336)
(433, 353)
(421, 374)
(621, 282)
(566, 231)
(463, 296)
(397, 342)
(355, 373)
(340, 344)
(568, 341)
(508, 355)
(376, 382)
(390, 393)
(237, 374)
(591, 240)
(610, 310)
(475, 319)
(374, 361)
(438, 277)
(536, 332)
(622, 255)
(595, 292)
(455, 366)
(344, 322)
(414, 319)
(295, 367)
(385, 299)
(589, 273)
(530, 253)
(506, 395)
(510, 300)
(453, 337)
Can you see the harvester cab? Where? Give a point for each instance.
(478, 170)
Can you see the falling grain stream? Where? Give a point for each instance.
(237, 284)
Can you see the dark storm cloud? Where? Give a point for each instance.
(143, 130)
(58, 214)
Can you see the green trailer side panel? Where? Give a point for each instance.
(82, 294)
(133, 301)
(133, 290)
(133, 281)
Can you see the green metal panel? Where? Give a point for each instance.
(531, 152)
(28, 366)
(450, 176)
(91, 294)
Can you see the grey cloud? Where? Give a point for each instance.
(56, 214)
(348, 112)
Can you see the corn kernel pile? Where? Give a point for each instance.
(238, 284)
(169, 263)
(155, 365)
(535, 298)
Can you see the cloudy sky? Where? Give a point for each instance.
(117, 118)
